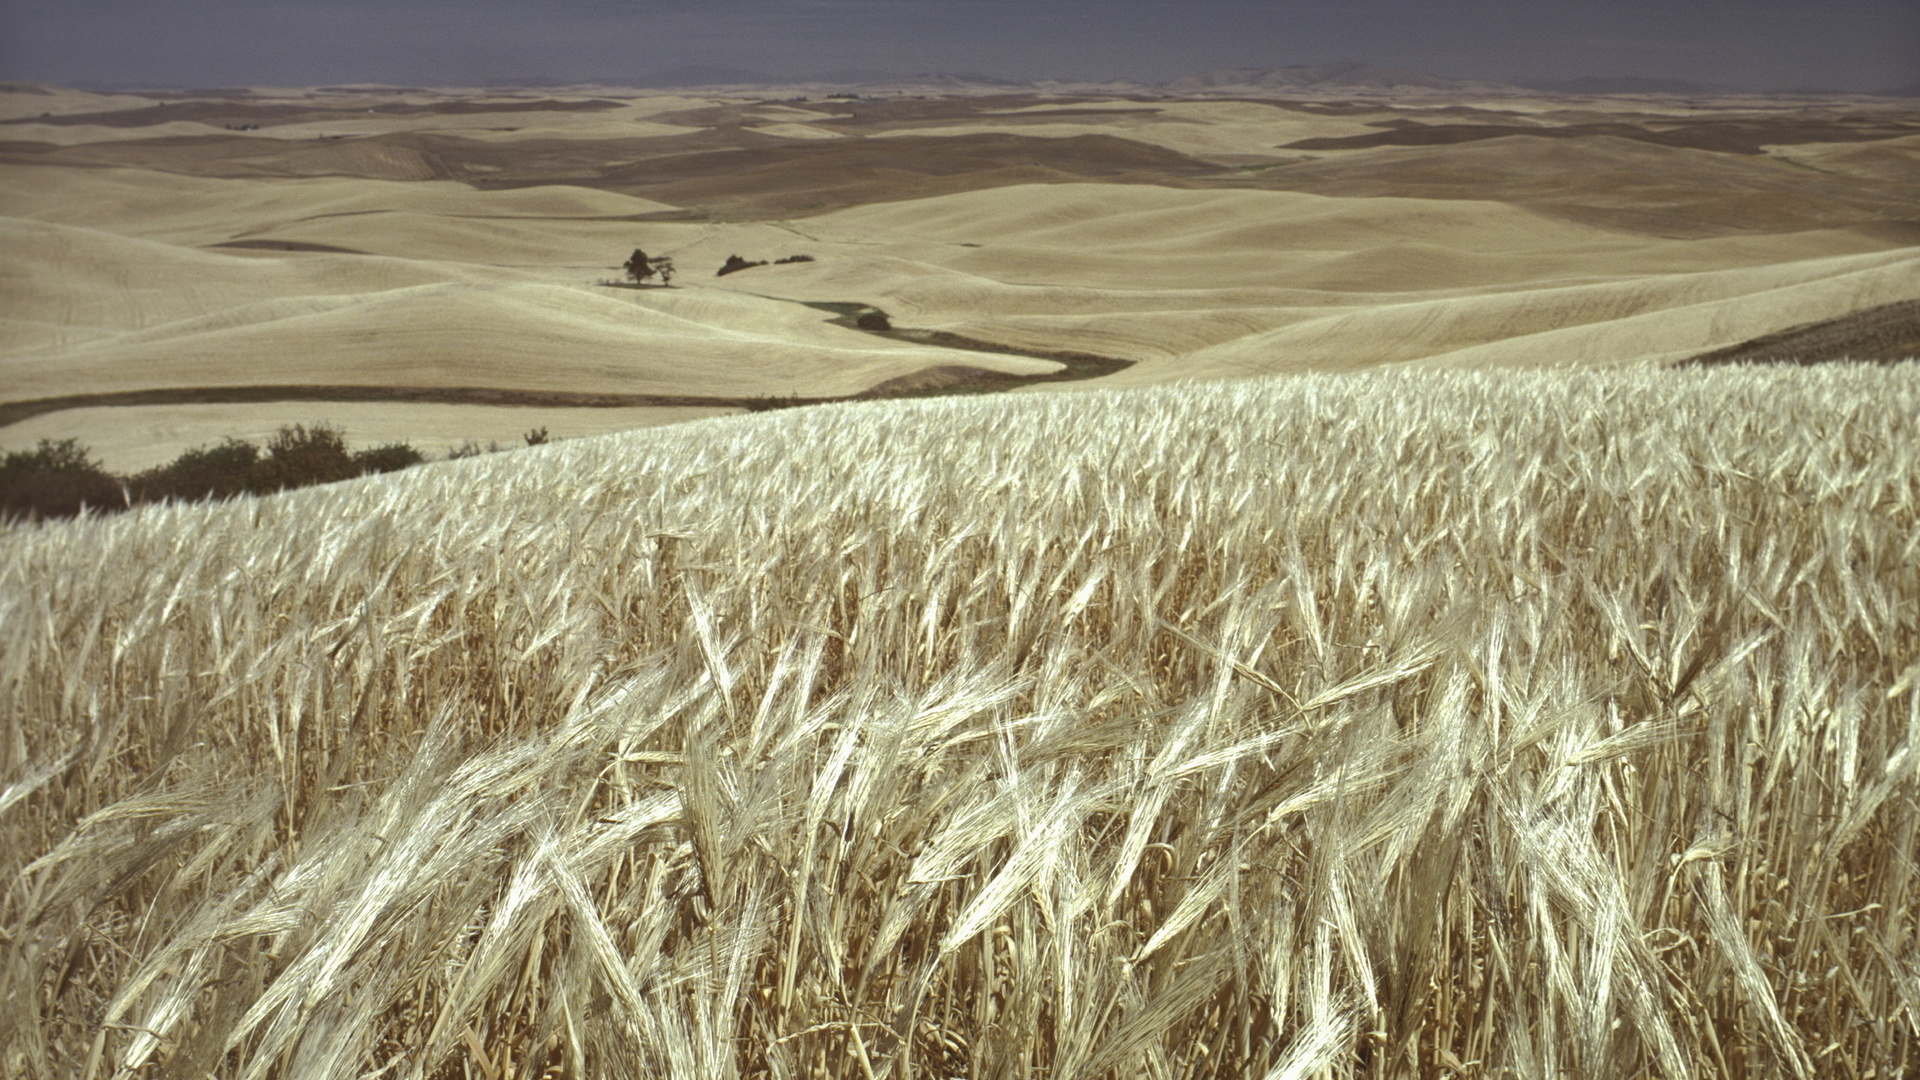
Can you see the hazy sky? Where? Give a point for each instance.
(1762, 44)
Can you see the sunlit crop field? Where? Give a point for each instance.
(1495, 725)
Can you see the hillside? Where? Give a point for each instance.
(191, 266)
(1337, 725)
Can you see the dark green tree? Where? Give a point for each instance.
(56, 479)
(204, 472)
(392, 457)
(298, 456)
(639, 267)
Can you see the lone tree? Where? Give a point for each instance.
(642, 268)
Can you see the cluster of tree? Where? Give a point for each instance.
(60, 478)
(735, 263)
(642, 268)
(57, 479)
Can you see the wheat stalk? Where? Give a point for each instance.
(1393, 724)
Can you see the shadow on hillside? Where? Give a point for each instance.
(1886, 334)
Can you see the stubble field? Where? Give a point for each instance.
(435, 250)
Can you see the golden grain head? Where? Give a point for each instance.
(1470, 724)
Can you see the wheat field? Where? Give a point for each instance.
(1391, 724)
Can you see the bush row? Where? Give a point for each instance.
(59, 478)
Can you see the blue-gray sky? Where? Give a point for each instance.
(1760, 44)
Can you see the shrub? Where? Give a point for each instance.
(471, 448)
(770, 402)
(56, 479)
(59, 477)
(391, 457)
(735, 264)
(216, 472)
(537, 437)
(299, 456)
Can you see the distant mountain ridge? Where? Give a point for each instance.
(1625, 84)
(1344, 76)
(1347, 75)
(715, 75)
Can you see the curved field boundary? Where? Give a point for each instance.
(939, 381)
(13, 412)
(1885, 334)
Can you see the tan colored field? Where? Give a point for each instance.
(133, 437)
(413, 240)
(1370, 725)
(1412, 715)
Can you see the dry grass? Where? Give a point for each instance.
(1525, 725)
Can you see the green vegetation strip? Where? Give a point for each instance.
(15, 411)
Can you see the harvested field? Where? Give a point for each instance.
(232, 112)
(1624, 184)
(1732, 136)
(165, 249)
(1888, 333)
